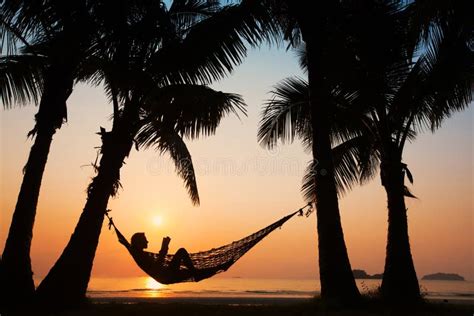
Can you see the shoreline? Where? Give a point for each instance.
(207, 300)
(239, 300)
(257, 306)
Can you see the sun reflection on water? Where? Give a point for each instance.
(154, 288)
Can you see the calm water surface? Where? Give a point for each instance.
(145, 287)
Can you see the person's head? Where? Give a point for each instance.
(139, 241)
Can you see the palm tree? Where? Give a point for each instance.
(151, 69)
(325, 35)
(44, 43)
(437, 85)
(370, 125)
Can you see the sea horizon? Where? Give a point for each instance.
(243, 287)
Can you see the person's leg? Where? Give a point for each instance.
(181, 257)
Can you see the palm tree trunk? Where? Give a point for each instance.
(17, 276)
(337, 281)
(68, 279)
(399, 282)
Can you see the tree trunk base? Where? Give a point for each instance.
(17, 289)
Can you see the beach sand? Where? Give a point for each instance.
(250, 306)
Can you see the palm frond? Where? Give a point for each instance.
(192, 110)
(347, 116)
(354, 161)
(19, 19)
(287, 22)
(213, 46)
(432, 14)
(10, 38)
(449, 67)
(408, 95)
(308, 186)
(286, 115)
(440, 82)
(369, 160)
(345, 159)
(186, 13)
(302, 57)
(21, 79)
(166, 140)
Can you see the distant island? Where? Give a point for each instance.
(361, 274)
(443, 276)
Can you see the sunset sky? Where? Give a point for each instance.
(243, 188)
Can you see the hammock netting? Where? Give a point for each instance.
(218, 260)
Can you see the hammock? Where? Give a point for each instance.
(217, 260)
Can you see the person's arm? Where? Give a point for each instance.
(122, 239)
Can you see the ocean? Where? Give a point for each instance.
(145, 287)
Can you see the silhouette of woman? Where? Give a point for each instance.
(180, 267)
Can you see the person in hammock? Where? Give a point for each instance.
(179, 269)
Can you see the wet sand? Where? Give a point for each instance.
(260, 306)
(252, 306)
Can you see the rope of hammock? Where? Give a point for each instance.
(219, 259)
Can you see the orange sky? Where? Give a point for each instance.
(242, 187)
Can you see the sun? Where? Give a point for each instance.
(157, 220)
(151, 284)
